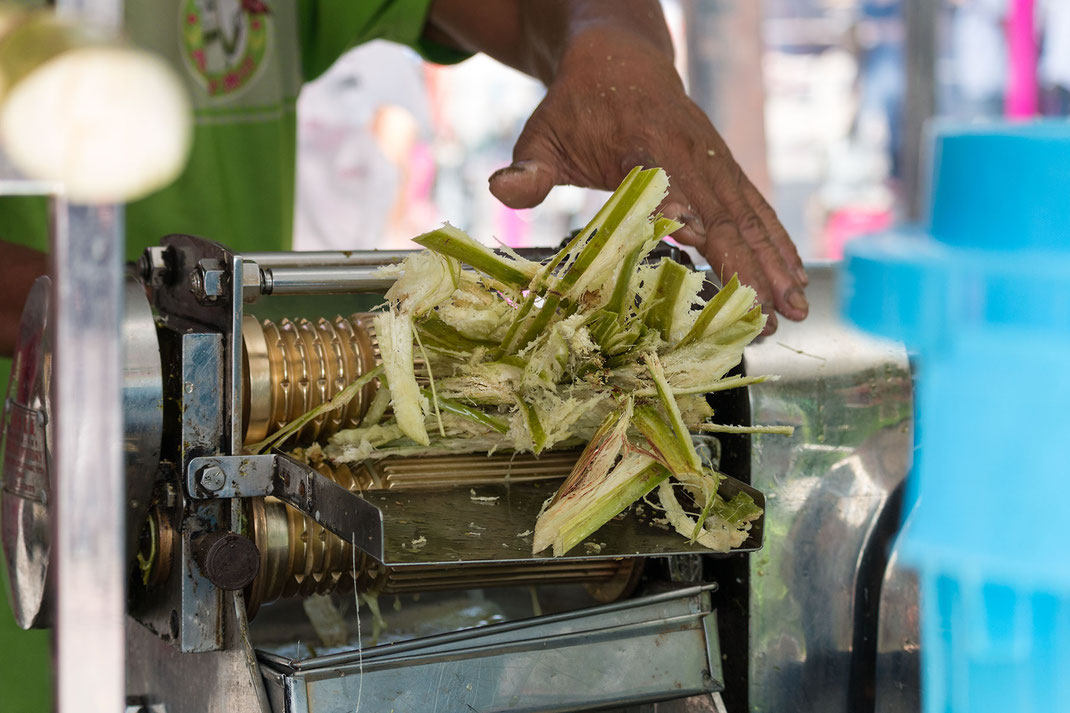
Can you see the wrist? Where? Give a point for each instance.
(618, 57)
(591, 30)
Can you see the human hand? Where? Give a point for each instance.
(616, 102)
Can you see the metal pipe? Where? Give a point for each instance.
(921, 20)
(89, 529)
(325, 258)
(90, 514)
(323, 280)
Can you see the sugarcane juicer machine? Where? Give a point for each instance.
(222, 349)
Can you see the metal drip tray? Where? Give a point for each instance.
(649, 649)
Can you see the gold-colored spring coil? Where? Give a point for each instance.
(294, 366)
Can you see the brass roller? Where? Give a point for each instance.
(294, 366)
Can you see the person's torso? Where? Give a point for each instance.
(240, 60)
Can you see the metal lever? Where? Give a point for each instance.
(347, 515)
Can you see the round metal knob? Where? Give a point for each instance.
(228, 560)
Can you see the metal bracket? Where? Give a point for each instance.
(347, 515)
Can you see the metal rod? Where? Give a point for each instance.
(89, 528)
(323, 280)
(325, 258)
(921, 20)
(89, 516)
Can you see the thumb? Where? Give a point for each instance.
(525, 182)
(522, 184)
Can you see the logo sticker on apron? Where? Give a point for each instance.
(225, 42)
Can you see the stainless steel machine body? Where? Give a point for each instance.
(200, 513)
(830, 610)
(219, 533)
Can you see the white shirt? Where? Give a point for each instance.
(980, 47)
(1055, 59)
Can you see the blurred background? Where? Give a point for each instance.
(823, 102)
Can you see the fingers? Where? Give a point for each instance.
(785, 289)
(729, 253)
(677, 206)
(523, 184)
(745, 236)
(722, 244)
(788, 253)
(535, 169)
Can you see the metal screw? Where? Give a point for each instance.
(211, 478)
(153, 265)
(196, 285)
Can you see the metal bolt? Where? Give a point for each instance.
(213, 281)
(196, 285)
(229, 561)
(211, 478)
(208, 282)
(252, 282)
(152, 265)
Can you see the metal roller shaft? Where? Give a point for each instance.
(323, 280)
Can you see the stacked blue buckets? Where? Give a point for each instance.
(981, 296)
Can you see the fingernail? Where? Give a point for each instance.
(801, 276)
(514, 168)
(694, 222)
(797, 299)
(693, 226)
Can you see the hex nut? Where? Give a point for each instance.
(211, 478)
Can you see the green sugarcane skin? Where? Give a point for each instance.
(662, 438)
(624, 279)
(629, 193)
(738, 510)
(672, 409)
(710, 311)
(596, 222)
(473, 414)
(454, 243)
(438, 332)
(538, 435)
(598, 513)
(510, 334)
(666, 291)
(633, 187)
